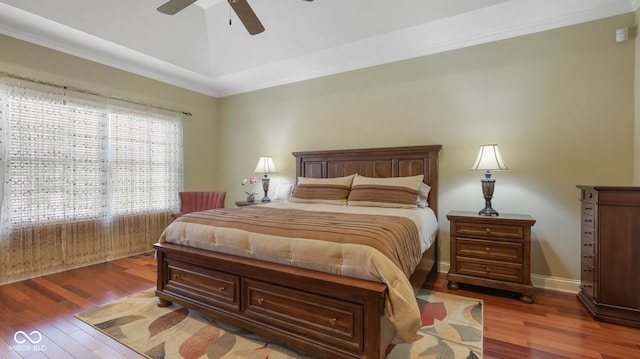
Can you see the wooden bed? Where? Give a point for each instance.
(326, 315)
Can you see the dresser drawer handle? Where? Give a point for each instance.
(333, 321)
(487, 231)
(176, 276)
(260, 301)
(222, 289)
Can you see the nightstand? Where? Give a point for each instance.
(491, 251)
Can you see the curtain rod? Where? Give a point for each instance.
(75, 89)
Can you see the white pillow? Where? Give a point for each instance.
(283, 191)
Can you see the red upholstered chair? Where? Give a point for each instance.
(199, 201)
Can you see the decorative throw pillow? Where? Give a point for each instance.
(322, 190)
(398, 192)
(423, 196)
(283, 192)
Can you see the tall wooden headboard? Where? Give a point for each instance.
(374, 162)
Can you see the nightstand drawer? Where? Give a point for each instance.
(508, 272)
(492, 250)
(494, 230)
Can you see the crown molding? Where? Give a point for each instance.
(501, 21)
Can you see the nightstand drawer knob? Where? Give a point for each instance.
(487, 269)
(333, 321)
(260, 301)
(222, 289)
(487, 231)
(487, 249)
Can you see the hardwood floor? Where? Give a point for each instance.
(556, 326)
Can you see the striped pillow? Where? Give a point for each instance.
(397, 192)
(322, 190)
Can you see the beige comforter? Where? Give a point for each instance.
(325, 238)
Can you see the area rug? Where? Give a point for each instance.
(451, 329)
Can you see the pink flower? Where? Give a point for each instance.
(251, 180)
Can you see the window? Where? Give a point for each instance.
(80, 157)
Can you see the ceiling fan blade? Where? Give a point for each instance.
(247, 16)
(173, 6)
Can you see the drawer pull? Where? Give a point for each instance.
(176, 276)
(487, 231)
(487, 269)
(222, 289)
(333, 321)
(487, 249)
(260, 301)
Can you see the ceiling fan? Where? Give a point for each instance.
(240, 7)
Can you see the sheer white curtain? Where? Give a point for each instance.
(84, 179)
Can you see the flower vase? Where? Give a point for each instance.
(251, 198)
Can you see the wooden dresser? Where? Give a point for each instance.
(610, 250)
(491, 252)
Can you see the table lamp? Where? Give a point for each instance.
(489, 158)
(266, 166)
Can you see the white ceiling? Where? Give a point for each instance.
(197, 48)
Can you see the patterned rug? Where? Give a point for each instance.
(451, 328)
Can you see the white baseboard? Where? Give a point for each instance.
(538, 281)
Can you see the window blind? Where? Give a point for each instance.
(77, 157)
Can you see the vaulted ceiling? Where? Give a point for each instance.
(200, 50)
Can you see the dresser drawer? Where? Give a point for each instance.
(588, 221)
(508, 272)
(335, 322)
(495, 231)
(587, 252)
(492, 250)
(587, 278)
(587, 233)
(208, 286)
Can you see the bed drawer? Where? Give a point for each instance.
(335, 322)
(203, 284)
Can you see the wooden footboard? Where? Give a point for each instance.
(323, 314)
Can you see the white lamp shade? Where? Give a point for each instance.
(265, 165)
(489, 158)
